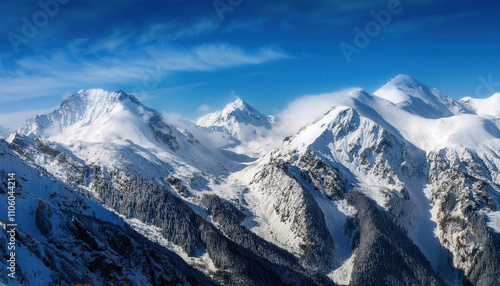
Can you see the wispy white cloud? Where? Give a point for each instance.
(304, 110)
(203, 108)
(14, 120)
(209, 138)
(116, 40)
(176, 30)
(202, 26)
(221, 55)
(125, 58)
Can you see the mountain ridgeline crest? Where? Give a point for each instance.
(396, 187)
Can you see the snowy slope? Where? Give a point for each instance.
(431, 134)
(485, 106)
(145, 170)
(405, 178)
(425, 133)
(114, 129)
(415, 97)
(380, 148)
(64, 238)
(339, 152)
(238, 119)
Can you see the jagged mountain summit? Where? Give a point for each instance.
(397, 187)
(115, 129)
(100, 116)
(158, 188)
(238, 119)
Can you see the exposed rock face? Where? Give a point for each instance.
(180, 225)
(385, 255)
(398, 188)
(65, 239)
(296, 209)
(464, 187)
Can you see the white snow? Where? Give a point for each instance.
(336, 214)
(427, 134)
(36, 187)
(400, 89)
(494, 220)
(105, 128)
(114, 130)
(238, 119)
(485, 106)
(415, 97)
(201, 262)
(342, 275)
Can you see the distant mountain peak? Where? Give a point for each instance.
(236, 105)
(402, 88)
(89, 107)
(403, 79)
(238, 118)
(420, 99)
(91, 119)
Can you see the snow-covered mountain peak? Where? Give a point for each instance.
(239, 119)
(97, 116)
(98, 99)
(239, 110)
(402, 88)
(420, 99)
(404, 79)
(237, 104)
(94, 107)
(115, 129)
(484, 106)
(339, 121)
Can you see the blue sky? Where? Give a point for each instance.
(192, 57)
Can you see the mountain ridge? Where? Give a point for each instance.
(424, 164)
(415, 97)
